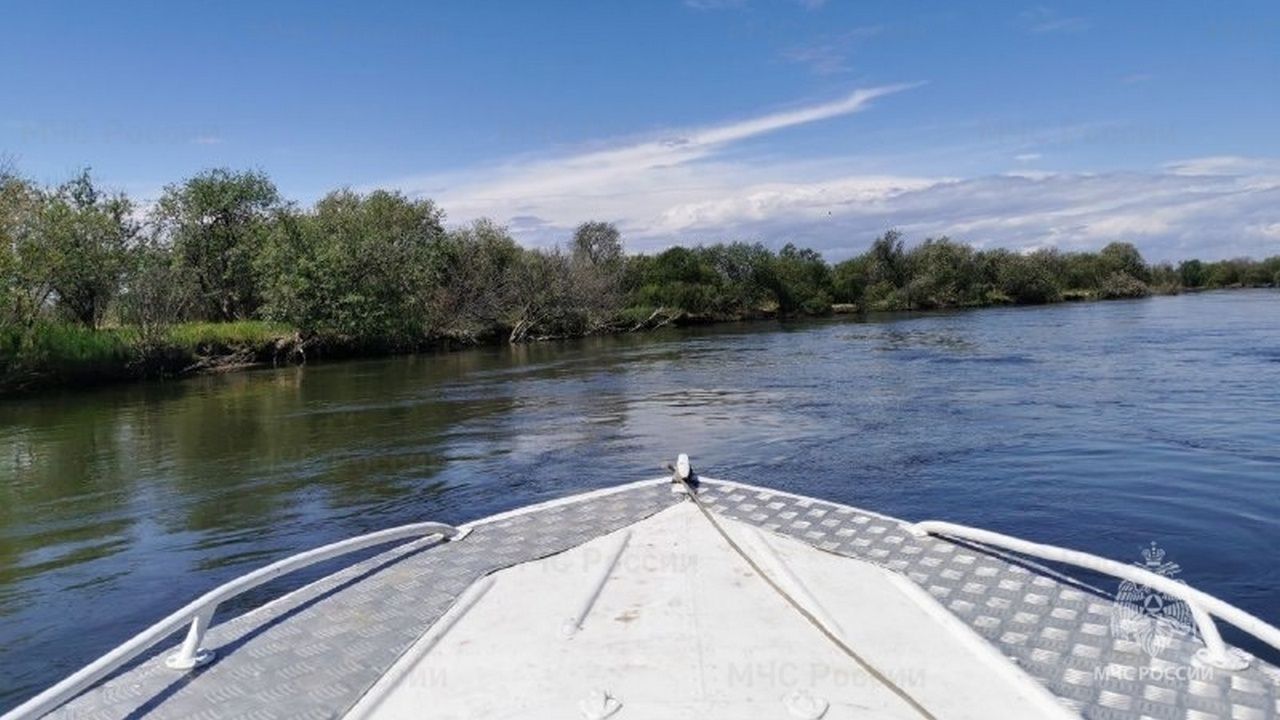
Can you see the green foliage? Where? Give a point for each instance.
(728, 281)
(1081, 271)
(357, 266)
(1192, 273)
(1165, 280)
(1121, 285)
(1240, 272)
(746, 278)
(475, 297)
(598, 244)
(677, 277)
(80, 245)
(1120, 257)
(942, 274)
(217, 223)
(886, 260)
(23, 261)
(595, 274)
(62, 352)
(1029, 279)
(378, 270)
(803, 281)
(198, 335)
(849, 280)
(157, 293)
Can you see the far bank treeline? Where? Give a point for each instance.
(223, 270)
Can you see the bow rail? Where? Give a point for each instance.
(199, 613)
(1203, 606)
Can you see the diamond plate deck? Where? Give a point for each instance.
(1056, 630)
(313, 653)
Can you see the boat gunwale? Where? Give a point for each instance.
(724, 486)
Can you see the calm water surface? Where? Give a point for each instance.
(1100, 426)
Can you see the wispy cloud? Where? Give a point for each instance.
(696, 185)
(206, 140)
(1043, 19)
(1228, 165)
(1135, 78)
(811, 4)
(557, 189)
(1167, 215)
(829, 55)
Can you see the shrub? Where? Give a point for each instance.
(1124, 258)
(1027, 281)
(1191, 273)
(357, 266)
(1119, 285)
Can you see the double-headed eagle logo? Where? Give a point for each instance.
(1148, 617)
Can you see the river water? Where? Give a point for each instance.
(1100, 426)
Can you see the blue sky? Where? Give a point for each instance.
(684, 121)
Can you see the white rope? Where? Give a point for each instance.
(804, 612)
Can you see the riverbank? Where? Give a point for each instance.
(56, 355)
(226, 274)
(51, 355)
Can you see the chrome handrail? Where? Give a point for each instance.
(1203, 606)
(199, 613)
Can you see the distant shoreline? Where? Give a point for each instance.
(198, 349)
(223, 274)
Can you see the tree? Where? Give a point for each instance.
(598, 244)
(849, 280)
(1121, 285)
(157, 293)
(886, 259)
(942, 274)
(545, 303)
(745, 277)
(678, 277)
(86, 237)
(1082, 271)
(803, 281)
(357, 266)
(25, 280)
(1027, 280)
(1125, 258)
(596, 272)
(1192, 273)
(217, 222)
(475, 295)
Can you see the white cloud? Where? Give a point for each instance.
(1225, 165)
(696, 185)
(1168, 216)
(623, 181)
(1027, 157)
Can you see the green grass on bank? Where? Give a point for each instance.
(195, 335)
(52, 353)
(52, 344)
(57, 352)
